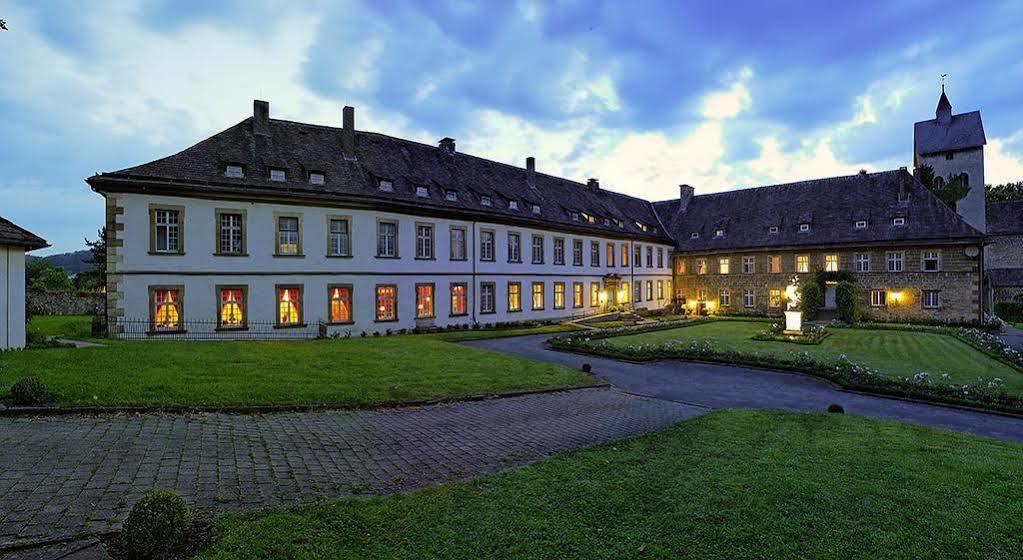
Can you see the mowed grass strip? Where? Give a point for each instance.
(358, 371)
(892, 353)
(731, 484)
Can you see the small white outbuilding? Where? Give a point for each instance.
(14, 243)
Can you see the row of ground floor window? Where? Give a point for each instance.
(929, 299)
(170, 309)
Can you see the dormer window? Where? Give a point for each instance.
(422, 192)
(621, 224)
(536, 209)
(899, 221)
(277, 175)
(386, 185)
(772, 229)
(316, 178)
(513, 205)
(486, 201)
(719, 233)
(861, 224)
(804, 228)
(234, 171)
(575, 216)
(451, 196)
(694, 235)
(607, 222)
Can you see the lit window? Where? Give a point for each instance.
(701, 266)
(538, 249)
(232, 308)
(748, 265)
(625, 255)
(457, 250)
(234, 171)
(231, 234)
(387, 239)
(803, 228)
(694, 235)
(340, 304)
(424, 241)
(660, 289)
(513, 205)
(610, 254)
(289, 306)
(701, 294)
(538, 296)
(424, 301)
(277, 175)
(386, 308)
(724, 265)
(536, 209)
(649, 290)
(486, 245)
(166, 309)
(577, 294)
(514, 296)
(861, 224)
(774, 298)
(895, 261)
(486, 201)
(899, 221)
(451, 196)
(774, 264)
(514, 248)
(577, 252)
(878, 298)
(862, 261)
(594, 253)
(559, 250)
(488, 298)
(932, 299)
(340, 240)
(931, 261)
(802, 263)
(637, 291)
(831, 263)
(422, 192)
(458, 299)
(681, 266)
(316, 178)
(166, 231)
(748, 299)
(386, 185)
(287, 235)
(724, 298)
(772, 229)
(719, 233)
(594, 294)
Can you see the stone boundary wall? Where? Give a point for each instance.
(64, 303)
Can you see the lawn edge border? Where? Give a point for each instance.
(272, 409)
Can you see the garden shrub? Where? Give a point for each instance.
(847, 303)
(1010, 311)
(156, 526)
(836, 409)
(587, 368)
(29, 391)
(812, 299)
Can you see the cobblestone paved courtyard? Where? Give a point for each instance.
(68, 476)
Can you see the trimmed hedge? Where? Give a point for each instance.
(157, 525)
(812, 299)
(846, 302)
(1010, 311)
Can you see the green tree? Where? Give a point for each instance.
(1007, 191)
(41, 276)
(949, 190)
(812, 299)
(95, 278)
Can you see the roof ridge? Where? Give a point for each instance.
(794, 183)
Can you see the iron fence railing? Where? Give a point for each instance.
(141, 329)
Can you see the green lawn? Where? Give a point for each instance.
(357, 371)
(893, 353)
(731, 484)
(75, 327)
(458, 336)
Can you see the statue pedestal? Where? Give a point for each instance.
(793, 322)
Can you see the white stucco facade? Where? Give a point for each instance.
(12, 297)
(198, 271)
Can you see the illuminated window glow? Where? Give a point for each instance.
(458, 299)
(831, 263)
(340, 304)
(559, 295)
(538, 296)
(424, 301)
(514, 296)
(289, 306)
(386, 309)
(577, 294)
(802, 263)
(232, 308)
(166, 310)
(774, 298)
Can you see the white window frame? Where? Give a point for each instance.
(724, 297)
(798, 268)
(829, 259)
(804, 228)
(896, 261)
(487, 245)
(878, 298)
(926, 296)
(457, 243)
(340, 241)
(862, 262)
(232, 232)
(537, 249)
(234, 171)
(930, 256)
(278, 175)
(559, 250)
(385, 185)
(422, 191)
(749, 265)
(514, 248)
(488, 297)
(317, 178)
(724, 265)
(860, 224)
(387, 242)
(749, 299)
(898, 222)
(168, 221)
(424, 241)
(577, 252)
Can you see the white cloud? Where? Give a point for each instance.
(1000, 166)
(729, 103)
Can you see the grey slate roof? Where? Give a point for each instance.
(10, 234)
(1005, 277)
(1005, 218)
(302, 148)
(962, 132)
(830, 206)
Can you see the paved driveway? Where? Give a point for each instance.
(71, 476)
(719, 386)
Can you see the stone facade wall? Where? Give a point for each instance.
(65, 303)
(1004, 251)
(958, 281)
(1007, 293)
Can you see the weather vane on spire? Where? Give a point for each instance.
(3, 25)
(943, 82)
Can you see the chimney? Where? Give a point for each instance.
(903, 186)
(261, 117)
(348, 132)
(593, 184)
(685, 194)
(530, 170)
(447, 144)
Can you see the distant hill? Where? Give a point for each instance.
(72, 262)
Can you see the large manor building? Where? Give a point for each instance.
(310, 229)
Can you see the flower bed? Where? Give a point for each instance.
(776, 333)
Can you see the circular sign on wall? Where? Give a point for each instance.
(972, 251)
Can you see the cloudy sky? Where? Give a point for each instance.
(643, 95)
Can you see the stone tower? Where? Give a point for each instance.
(953, 145)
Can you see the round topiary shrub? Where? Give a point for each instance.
(29, 391)
(156, 526)
(848, 308)
(587, 368)
(836, 409)
(812, 299)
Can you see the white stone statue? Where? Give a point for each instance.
(792, 294)
(793, 316)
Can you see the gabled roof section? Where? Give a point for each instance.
(301, 149)
(962, 132)
(830, 206)
(1005, 218)
(11, 234)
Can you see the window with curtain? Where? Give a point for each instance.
(232, 308)
(340, 238)
(289, 306)
(458, 299)
(340, 304)
(385, 303)
(287, 235)
(166, 229)
(424, 301)
(166, 309)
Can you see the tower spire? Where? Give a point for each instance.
(944, 111)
